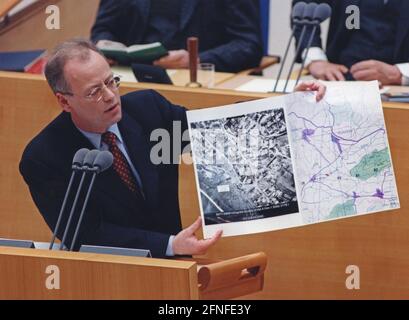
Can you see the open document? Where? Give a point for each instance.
(288, 161)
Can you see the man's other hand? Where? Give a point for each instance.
(325, 70)
(369, 70)
(176, 59)
(317, 86)
(186, 243)
(108, 43)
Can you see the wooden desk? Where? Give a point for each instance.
(23, 275)
(262, 83)
(180, 77)
(234, 82)
(237, 81)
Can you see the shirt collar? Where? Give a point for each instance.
(95, 138)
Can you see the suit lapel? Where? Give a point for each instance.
(403, 27)
(138, 148)
(75, 139)
(187, 10)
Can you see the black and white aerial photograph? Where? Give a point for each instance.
(244, 167)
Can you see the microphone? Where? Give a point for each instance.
(309, 12)
(298, 12)
(321, 13)
(78, 159)
(76, 166)
(101, 163)
(297, 15)
(87, 166)
(306, 21)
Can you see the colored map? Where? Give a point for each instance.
(341, 154)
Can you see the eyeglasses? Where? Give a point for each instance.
(97, 93)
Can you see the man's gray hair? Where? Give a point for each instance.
(72, 49)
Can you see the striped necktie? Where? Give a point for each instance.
(120, 164)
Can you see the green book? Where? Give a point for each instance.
(140, 53)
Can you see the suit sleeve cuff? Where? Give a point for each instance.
(169, 249)
(404, 69)
(314, 54)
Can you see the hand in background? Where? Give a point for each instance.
(186, 243)
(108, 43)
(176, 59)
(376, 70)
(317, 86)
(325, 70)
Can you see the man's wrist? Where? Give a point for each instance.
(404, 71)
(169, 250)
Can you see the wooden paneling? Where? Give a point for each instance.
(24, 110)
(306, 262)
(7, 5)
(29, 32)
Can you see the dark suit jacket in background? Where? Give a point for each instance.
(228, 30)
(114, 216)
(338, 34)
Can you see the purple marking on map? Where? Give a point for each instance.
(306, 133)
(336, 141)
(379, 194)
(355, 195)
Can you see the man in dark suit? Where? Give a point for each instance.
(378, 50)
(134, 203)
(228, 30)
(135, 209)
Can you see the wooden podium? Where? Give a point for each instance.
(25, 274)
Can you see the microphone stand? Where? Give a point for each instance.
(306, 52)
(57, 226)
(95, 171)
(306, 24)
(72, 210)
(285, 57)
